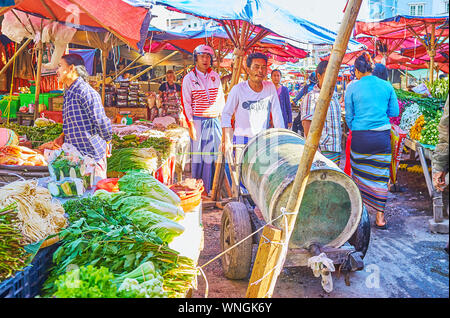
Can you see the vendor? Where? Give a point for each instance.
(203, 101)
(252, 103)
(85, 124)
(170, 96)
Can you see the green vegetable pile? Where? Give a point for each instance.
(126, 159)
(13, 256)
(430, 133)
(161, 144)
(439, 88)
(37, 135)
(405, 95)
(105, 232)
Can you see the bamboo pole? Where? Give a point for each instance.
(312, 141)
(11, 60)
(38, 80)
(104, 59)
(126, 68)
(432, 52)
(151, 67)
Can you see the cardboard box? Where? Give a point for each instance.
(56, 103)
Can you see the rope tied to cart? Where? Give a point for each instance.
(283, 214)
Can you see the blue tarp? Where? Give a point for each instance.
(162, 35)
(7, 3)
(260, 13)
(88, 57)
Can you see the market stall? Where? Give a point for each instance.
(419, 118)
(138, 237)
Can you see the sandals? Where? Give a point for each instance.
(380, 227)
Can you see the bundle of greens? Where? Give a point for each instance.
(133, 159)
(439, 88)
(37, 135)
(99, 235)
(430, 134)
(144, 184)
(12, 254)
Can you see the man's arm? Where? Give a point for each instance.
(277, 114)
(349, 108)
(288, 108)
(229, 109)
(440, 155)
(393, 108)
(186, 100)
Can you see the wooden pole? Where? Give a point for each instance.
(432, 52)
(151, 67)
(11, 60)
(104, 59)
(269, 250)
(38, 80)
(315, 132)
(126, 68)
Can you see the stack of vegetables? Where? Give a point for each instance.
(38, 214)
(126, 159)
(120, 240)
(430, 134)
(12, 256)
(419, 116)
(439, 88)
(38, 135)
(20, 156)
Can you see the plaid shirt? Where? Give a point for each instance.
(331, 134)
(85, 124)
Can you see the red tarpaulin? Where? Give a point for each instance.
(120, 18)
(420, 52)
(400, 27)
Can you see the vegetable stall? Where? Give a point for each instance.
(135, 239)
(419, 119)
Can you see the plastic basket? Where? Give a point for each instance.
(191, 199)
(28, 282)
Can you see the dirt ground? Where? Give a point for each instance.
(411, 259)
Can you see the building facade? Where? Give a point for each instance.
(383, 9)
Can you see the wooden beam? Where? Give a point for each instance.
(313, 138)
(11, 60)
(38, 80)
(151, 67)
(269, 250)
(49, 10)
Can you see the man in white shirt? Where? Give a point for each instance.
(203, 101)
(254, 104)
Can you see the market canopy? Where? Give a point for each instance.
(262, 14)
(127, 22)
(403, 26)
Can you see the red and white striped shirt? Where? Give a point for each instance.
(202, 94)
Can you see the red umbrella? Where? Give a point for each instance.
(116, 16)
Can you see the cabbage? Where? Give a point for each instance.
(128, 204)
(144, 184)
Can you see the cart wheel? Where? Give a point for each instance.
(236, 226)
(360, 239)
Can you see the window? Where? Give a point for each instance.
(416, 9)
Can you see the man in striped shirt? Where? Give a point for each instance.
(203, 101)
(330, 141)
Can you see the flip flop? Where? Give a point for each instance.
(380, 227)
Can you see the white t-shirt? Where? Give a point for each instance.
(252, 110)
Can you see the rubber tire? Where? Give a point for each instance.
(235, 226)
(361, 238)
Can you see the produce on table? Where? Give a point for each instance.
(43, 122)
(417, 128)
(20, 156)
(101, 236)
(86, 282)
(12, 254)
(161, 144)
(430, 133)
(39, 215)
(133, 159)
(409, 117)
(37, 135)
(65, 166)
(143, 183)
(402, 95)
(66, 188)
(439, 88)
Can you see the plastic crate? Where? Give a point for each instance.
(13, 108)
(28, 283)
(26, 99)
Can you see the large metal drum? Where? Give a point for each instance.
(331, 207)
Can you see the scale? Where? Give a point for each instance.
(126, 120)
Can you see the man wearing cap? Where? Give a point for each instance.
(203, 101)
